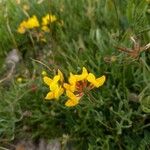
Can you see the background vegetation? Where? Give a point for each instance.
(119, 117)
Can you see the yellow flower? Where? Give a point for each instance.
(72, 83)
(32, 22)
(45, 29)
(79, 84)
(44, 73)
(48, 19)
(19, 79)
(22, 27)
(72, 88)
(96, 82)
(52, 83)
(29, 24)
(55, 94)
(73, 79)
(55, 86)
(73, 99)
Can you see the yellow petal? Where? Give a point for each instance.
(83, 76)
(84, 71)
(58, 92)
(91, 78)
(100, 81)
(50, 96)
(72, 79)
(66, 86)
(53, 18)
(21, 30)
(71, 103)
(47, 80)
(54, 83)
(32, 22)
(61, 91)
(53, 86)
(56, 78)
(69, 87)
(22, 27)
(72, 88)
(70, 95)
(45, 28)
(61, 75)
(48, 19)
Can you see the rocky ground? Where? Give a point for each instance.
(42, 145)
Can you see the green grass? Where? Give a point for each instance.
(119, 116)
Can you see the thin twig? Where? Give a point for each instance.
(145, 47)
(38, 61)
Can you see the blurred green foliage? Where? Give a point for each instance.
(119, 117)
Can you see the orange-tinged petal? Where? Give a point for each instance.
(69, 87)
(70, 95)
(100, 81)
(50, 96)
(71, 103)
(73, 99)
(47, 80)
(66, 86)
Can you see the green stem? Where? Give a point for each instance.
(11, 34)
(32, 41)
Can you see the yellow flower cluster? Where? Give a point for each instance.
(46, 20)
(76, 87)
(55, 87)
(34, 23)
(28, 24)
